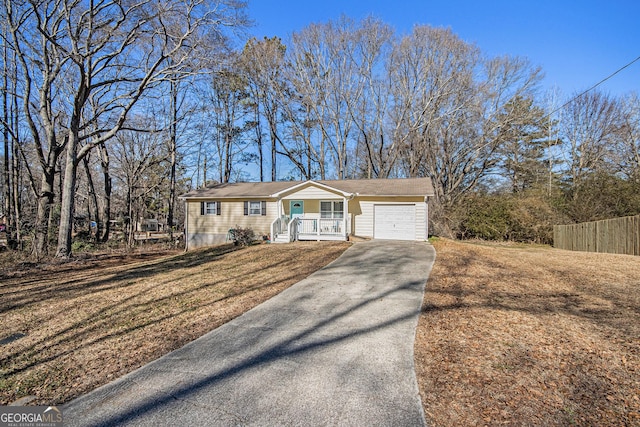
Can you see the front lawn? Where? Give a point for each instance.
(521, 335)
(69, 328)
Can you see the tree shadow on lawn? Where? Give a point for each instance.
(120, 311)
(604, 308)
(316, 336)
(473, 285)
(79, 334)
(19, 293)
(118, 319)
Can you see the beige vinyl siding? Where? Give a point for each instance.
(313, 192)
(311, 207)
(361, 217)
(231, 215)
(421, 221)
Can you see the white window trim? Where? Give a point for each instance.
(259, 211)
(333, 211)
(211, 208)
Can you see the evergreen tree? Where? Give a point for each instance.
(526, 143)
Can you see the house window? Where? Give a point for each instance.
(332, 209)
(254, 208)
(210, 208)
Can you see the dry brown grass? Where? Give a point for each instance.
(530, 336)
(89, 322)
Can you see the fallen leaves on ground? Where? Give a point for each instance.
(90, 321)
(530, 336)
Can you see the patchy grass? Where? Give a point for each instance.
(69, 328)
(530, 336)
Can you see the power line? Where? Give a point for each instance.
(593, 87)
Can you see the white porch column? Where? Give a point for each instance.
(345, 215)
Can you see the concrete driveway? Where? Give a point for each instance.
(334, 349)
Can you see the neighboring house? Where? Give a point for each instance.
(149, 225)
(310, 210)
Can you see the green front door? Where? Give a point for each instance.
(296, 208)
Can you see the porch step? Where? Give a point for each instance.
(282, 238)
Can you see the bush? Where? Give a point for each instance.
(486, 217)
(243, 236)
(83, 242)
(523, 217)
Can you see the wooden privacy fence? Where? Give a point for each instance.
(615, 236)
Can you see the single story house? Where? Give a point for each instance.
(284, 211)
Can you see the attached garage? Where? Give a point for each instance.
(394, 222)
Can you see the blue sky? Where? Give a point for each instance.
(577, 43)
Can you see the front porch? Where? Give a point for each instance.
(285, 230)
(311, 220)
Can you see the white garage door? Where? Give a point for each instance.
(397, 222)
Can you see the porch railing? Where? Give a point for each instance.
(293, 229)
(321, 226)
(280, 226)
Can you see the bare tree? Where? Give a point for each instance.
(140, 171)
(12, 144)
(590, 127)
(371, 99)
(225, 106)
(262, 62)
(36, 34)
(447, 104)
(629, 149)
(5, 194)
(106, 50)
(325, 77)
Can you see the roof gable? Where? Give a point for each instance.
(305, 184)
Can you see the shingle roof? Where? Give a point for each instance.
(362, 187)
(384, 187)
(240, 189)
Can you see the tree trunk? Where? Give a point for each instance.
(16, 230)
(94, 199)
(45, 202)
(228, 145)
(172, 157)
(68, 198)
(106, 213)
(258, 129)
(130, 222)
(204, 171)
(5, 137)
(274, 138)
